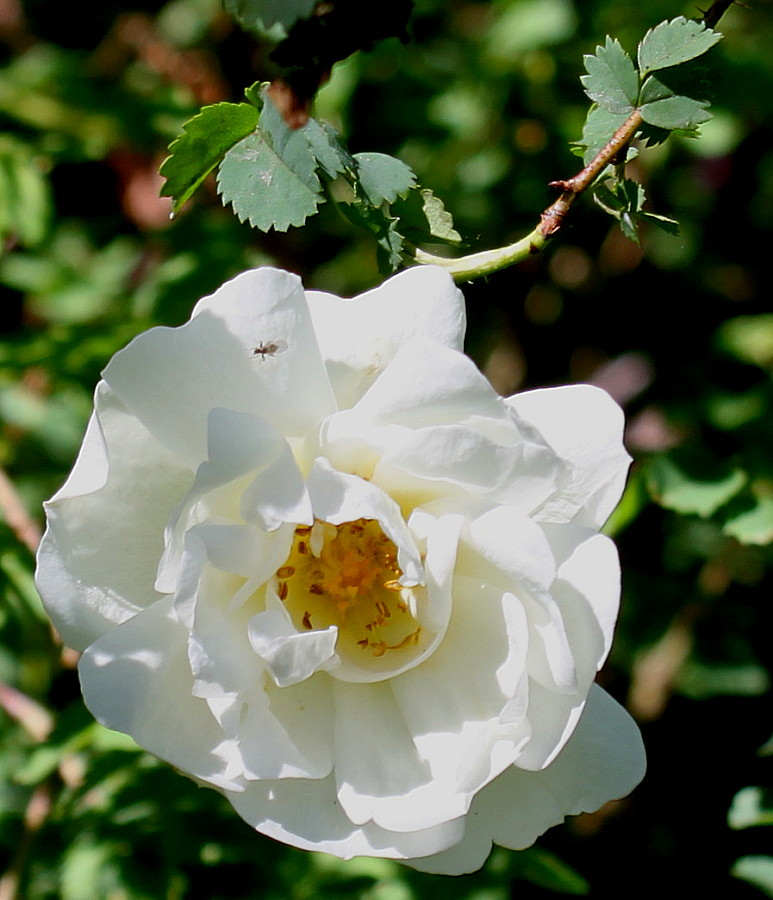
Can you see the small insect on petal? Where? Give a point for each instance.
(269, 348)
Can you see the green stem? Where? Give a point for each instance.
(476, 265)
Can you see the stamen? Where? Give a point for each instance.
(347, 576)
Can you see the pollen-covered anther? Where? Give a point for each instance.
(348, 576)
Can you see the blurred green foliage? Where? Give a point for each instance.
(483, 104)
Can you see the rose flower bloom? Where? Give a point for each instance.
(314, 561)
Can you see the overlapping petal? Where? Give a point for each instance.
(317, 563)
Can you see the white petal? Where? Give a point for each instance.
(244, 549)
(587, 590)
(337, 498)
(389, 784)
(136, 679)
(282, 810)
(290, 656)
(445, 460)
(171, 378)
(283, 733)
(97, 560)
(604, 760)
(513, 552)
(239, 445)
(359, 337)
(552, 718)
(585, 427)
(429, 384)
(287, 732)
(220, 656)
(452, 703)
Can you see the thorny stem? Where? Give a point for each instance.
(715, 12)
(475, 265)
(465, 268)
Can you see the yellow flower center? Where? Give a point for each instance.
(347, 575)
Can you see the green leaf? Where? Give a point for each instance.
(205, 140)
(664, 223)
(25, 197)
(383, 227)
(424, 218)
(624, 200)
(692, 484)
(325, 143)
(752, 523)
(545, 869)
(751, 807)
(675, 42)
(703, 680)
(757, 870)
(270, 177)
(439, 220)
(749, 339)
(85, 866)
(676, 113)
(275, 16)
(383, 178)
(599, 127)
(612, 80)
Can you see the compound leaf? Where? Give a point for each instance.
(205, 140)
(383, 227)
(424, 218)
(612, 80)
(383, 178)
(675, 42)
(269, 189)
(270, 176)
(328, 150)
(599, 127)
(674, 113)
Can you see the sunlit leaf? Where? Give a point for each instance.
(682, 113)
(25, 197)
(205, 140)
(383, 178)
(753, 524)
(664, 223)
(701, 681)
(751, 807)
(612, 80)
(424, 218)
(264, 15)
(270, 176)
(757, 870)
(675, 42)
(529, 25)
(694, 485)
(326, 146)
(749, 339)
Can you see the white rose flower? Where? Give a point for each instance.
(314, 561)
